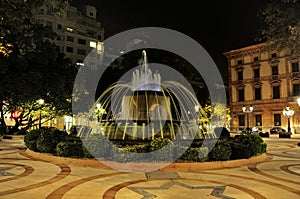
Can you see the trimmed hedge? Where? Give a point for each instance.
(31, 138)
(49, 138)
(199, 154)
(221, 151)
(69, 149)
(96, 145)
(246, 146)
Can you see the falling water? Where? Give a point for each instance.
(145, 108)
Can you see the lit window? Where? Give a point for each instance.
(93, 44)
(100, 47)
(70, 29)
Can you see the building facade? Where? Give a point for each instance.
(267, 80)
(77, 32)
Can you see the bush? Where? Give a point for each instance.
(221, 151)
(167, 146)
(246, 146)
(222, 132)
(133, 153)
(199, 154)
(96, 145)
(31, 138)
(69, 149)
(265, 135)
(49, 138)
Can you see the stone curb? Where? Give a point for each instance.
(180, 167)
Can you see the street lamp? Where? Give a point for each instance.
(288, 113)
(247, 111)
(41, 102)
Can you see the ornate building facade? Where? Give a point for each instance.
(267, 80)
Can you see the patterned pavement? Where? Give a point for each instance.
(25, 174)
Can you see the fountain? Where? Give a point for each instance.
(146, 108)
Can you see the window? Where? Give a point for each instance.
(99, 38)
(240, 61)
(70, 29)
(277, 119)
(276, 92)
(274, 70)
(241, 97)
(255, 59)
(82, 41)
(241, 120)
(91, 33)
(257, 93)
(69, 38)
(273, 55)
(49, 24)
(59, 27)
(80, 52)
(295, 67)
(240, 75)
(296, 89)
(256, 73)
(91, 14)
(93, 44)
(69, 49)
(58, 38)
(258, 120)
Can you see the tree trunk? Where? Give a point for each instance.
(2, 121)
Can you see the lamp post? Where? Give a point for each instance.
(41, 102)
(247, 112)
(287, 112)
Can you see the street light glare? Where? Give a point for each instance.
(41, 101)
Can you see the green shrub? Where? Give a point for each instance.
(96, 145)
(221, 151)
(31, 138)
(246, 146)
(239, 151)
(49, 138)
(199, 154)
(166, 146)
(69, 149)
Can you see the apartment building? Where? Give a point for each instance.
(77, 32)
(267, 80)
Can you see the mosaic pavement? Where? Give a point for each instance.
(24, 174)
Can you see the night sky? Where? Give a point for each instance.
(219, 26)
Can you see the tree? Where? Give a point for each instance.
(281, 22)
(30, 66)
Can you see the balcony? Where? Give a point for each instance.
(295, 75)
(256, 79)
(274, 77)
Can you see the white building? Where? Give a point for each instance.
(77, 33)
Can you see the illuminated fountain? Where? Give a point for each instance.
(146, 108)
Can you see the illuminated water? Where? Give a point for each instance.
(146, 108)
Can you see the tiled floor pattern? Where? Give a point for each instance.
(25, 176)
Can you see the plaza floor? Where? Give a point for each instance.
(25, 174)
